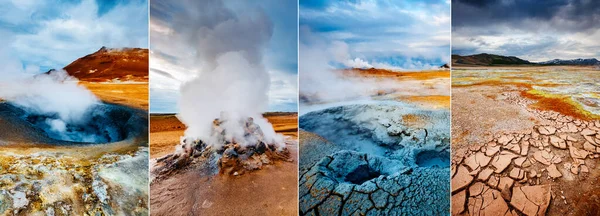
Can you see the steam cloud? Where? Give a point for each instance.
(232, 80)
(56, 95)
(320, 83)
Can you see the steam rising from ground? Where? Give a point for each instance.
(321, 81)
(228, 50)
(55, 95)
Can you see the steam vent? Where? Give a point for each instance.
(223, 153)
(374, 159)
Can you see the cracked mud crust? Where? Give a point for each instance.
(374, 160)
(541, 165)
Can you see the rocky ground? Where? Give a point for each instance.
(44, 176)
(543, 163)
(199, 189)
(62, 181)
(374, 159)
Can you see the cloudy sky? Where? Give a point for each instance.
(532, 30)
(51, 34)
(174, 61)
(393, 34)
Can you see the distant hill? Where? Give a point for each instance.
(485, 59)
(124, 64)
(579, 61)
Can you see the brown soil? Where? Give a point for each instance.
(126, 64)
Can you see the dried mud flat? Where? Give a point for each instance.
(196, 190)
(523, 146)
(384, 155)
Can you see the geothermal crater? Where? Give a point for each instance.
(375, 158)
(102, 123)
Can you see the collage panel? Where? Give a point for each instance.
(374, 111)
(525, 108)
(74, 108)
(223, 83)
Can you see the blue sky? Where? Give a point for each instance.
(51, 34)
(170, 64)
(392, 34)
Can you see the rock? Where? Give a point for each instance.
(517, 173)
(471, 162)
(578, 153)
(492, 150)
(485, 174)
(558, 142)
(514, 147)
(553, 171)
(531, 200)
(501, 161)
(462, 179)
(505, 186)
(584, 169)
(458, 202)
(505, 139)
(19, 200)
(546, 158)
(476, 189)
(571, 128)
(591, 140)
(574, 169)
(496, 207)
(526, 164)
(493, 181)
(532, 174)
(519, 161)
(546, 130)
(592, 148)
(524, 148)
(587, 132)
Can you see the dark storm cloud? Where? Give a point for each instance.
(560, 14)
(534, 30)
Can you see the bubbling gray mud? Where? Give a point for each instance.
(103, 123)
(375, 161)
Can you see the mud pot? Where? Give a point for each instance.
(384, 158)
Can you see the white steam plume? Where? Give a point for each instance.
(321, 83)
(54, 94)
(228, 50)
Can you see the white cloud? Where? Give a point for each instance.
(77, 30)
